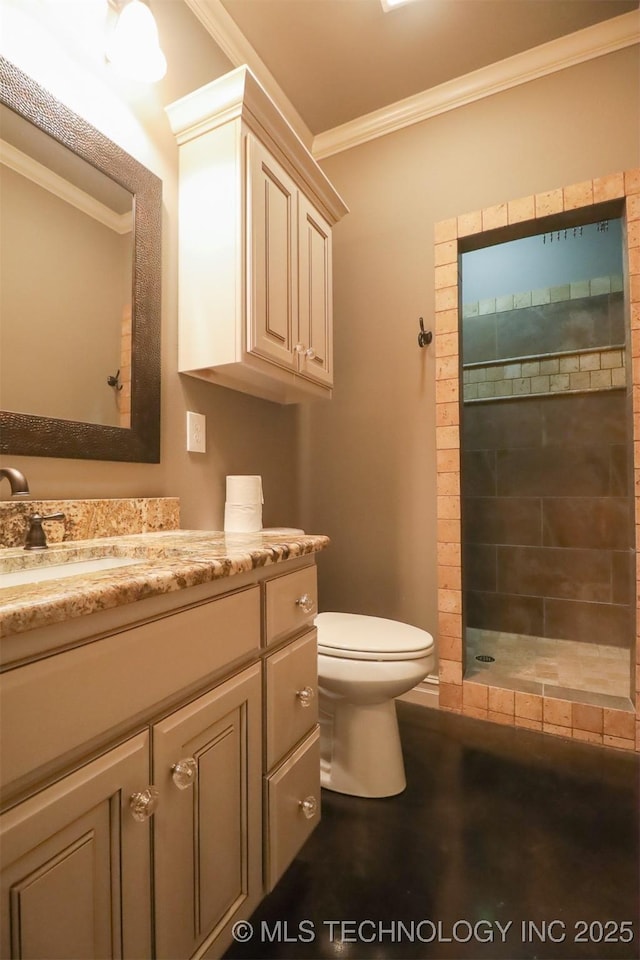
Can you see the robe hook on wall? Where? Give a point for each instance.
(115, 381)
(425, 336)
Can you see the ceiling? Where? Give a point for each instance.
(337, 60)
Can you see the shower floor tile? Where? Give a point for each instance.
(547, 665)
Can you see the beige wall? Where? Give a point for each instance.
(368, 459)
(361, 468)
(83, 268)
(244, 435)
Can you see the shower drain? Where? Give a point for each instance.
(485, 658)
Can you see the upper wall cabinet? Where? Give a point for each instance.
(256, 213)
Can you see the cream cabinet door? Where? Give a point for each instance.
(292, 811)
(76, 865)
(291, 685)
(207, 829)
(315, 308)
(272, 253)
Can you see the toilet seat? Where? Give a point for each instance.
(354, 636)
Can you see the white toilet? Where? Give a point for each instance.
(363, 663)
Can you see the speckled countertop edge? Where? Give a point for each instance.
(169, 561)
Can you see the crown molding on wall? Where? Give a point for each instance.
(29, 168)
(540, 61)
(222, 28)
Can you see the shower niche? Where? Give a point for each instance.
(537, 386)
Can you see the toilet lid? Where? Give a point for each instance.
(357, 637)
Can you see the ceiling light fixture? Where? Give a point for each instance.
(134, 46)
(388, 5)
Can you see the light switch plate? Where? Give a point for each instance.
(196, 432)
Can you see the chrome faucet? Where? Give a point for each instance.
(18, 481)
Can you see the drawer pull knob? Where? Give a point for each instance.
(306, 603)
(309, 807)
(184, 773)
(144, 803)
(305, 696)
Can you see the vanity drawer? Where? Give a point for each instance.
(55, 706)
(291, 603)
(292, 695)
(292, 806)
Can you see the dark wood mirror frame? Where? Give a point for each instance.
(24, 434)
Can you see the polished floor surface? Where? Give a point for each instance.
(506, 844)
(547, 666)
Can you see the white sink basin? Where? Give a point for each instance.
(74, 568)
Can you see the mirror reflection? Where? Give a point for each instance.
(65, 339)
(80, 359)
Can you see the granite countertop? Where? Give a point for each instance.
(163, 562)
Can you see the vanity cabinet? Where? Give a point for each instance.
(75, 878)
(255, 220)
(207, 828)
(180, 801)
(292, 738)
(159, 777)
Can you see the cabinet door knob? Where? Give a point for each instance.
(184, 773)
(310, 353)
(306, 603)
(305, 696)
(144, 803)
(309, 807)
(299, 348)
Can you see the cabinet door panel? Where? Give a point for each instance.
(292, 696)
(271, 328)
(207, 837)
(218, 820)
(295, 781)
(286, 598)
(315, 310)
(75, 880)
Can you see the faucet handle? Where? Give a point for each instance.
(36, 539)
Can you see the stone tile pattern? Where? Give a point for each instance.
(89, 519)
(564, 669)
(546, 517)
(589, 370)
(581, 721)
(553, 340)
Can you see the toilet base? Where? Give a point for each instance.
(360, 748)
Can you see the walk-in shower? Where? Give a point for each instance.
(547, 513)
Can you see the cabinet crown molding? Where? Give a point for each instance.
(239, 95)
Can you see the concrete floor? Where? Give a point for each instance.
(506, 844)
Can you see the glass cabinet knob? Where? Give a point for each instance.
(184, 773)
(310, 353)
(309, 807)
(299, 348)
(306, 603)
(305, 696)
(144, 803)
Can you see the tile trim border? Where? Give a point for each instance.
(581, 290)
(583, 721)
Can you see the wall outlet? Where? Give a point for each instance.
(196, 432)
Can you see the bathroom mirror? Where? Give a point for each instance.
(81, 302)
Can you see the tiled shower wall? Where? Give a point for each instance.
(547, 521)
(546, 501)
(588, 722)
